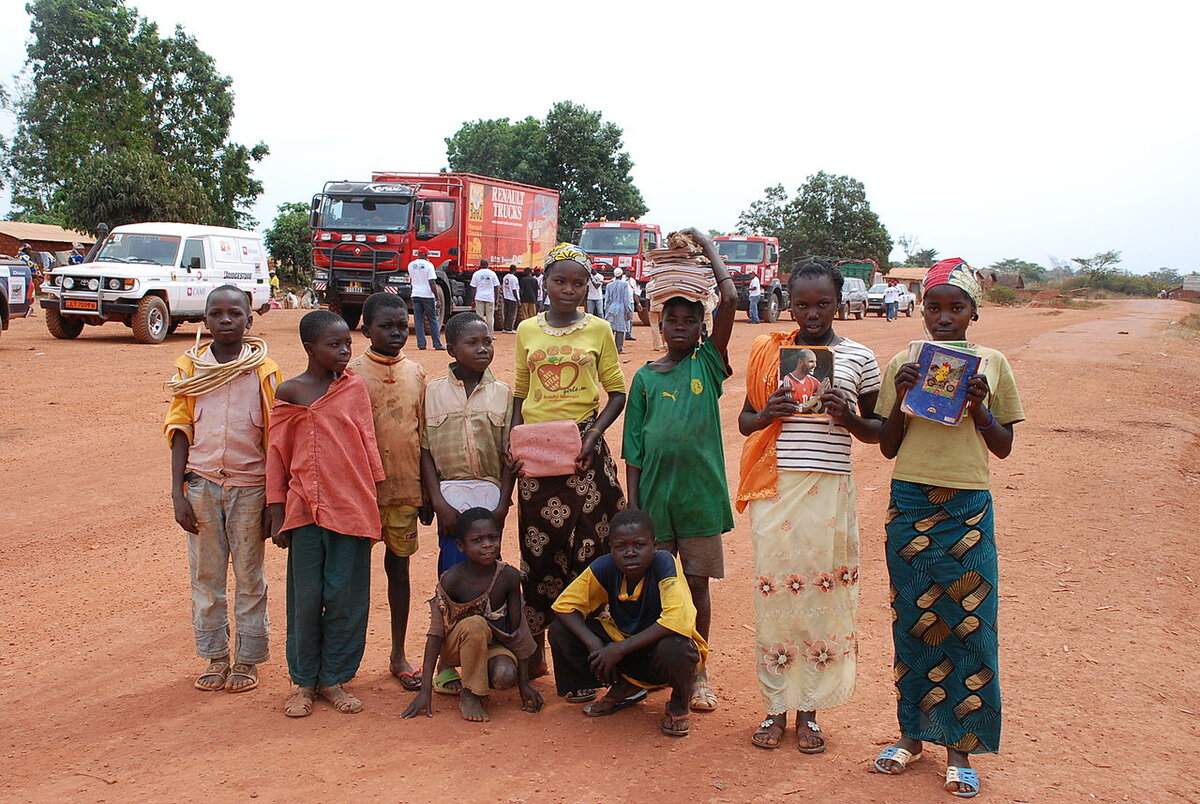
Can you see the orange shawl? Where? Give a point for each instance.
(759, 472)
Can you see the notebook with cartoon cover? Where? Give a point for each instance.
(808, 370)
(945, 368)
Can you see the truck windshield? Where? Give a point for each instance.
(740, 252)
(365, 213)
(610, 241)
(143, 248)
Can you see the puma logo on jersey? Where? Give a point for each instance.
(669, 395)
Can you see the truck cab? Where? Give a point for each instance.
(152, 277)
(620, 244)
(754, 255)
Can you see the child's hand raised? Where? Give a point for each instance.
(422, 703)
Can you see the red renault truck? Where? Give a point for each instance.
(754, 255)
(366, 233)
(622, 244)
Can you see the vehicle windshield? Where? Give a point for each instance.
(879, 288)
(139, 248)
(366, 213)
(610, 241)
(740, 252)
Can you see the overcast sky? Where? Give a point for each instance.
(984, 130)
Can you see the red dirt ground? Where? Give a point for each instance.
(1096, 527)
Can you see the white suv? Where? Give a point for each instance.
(154, 276)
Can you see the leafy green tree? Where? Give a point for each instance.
(1100, 264)
(129, 186)
(102, 81)
(289, 242)
(1167, 276)
(914, 254)
(829, 216)
(573, 151)
(1029, 271)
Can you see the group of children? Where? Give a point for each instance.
(353, 452)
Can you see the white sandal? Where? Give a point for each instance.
(901, 756)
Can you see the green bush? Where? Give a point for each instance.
(999, 294)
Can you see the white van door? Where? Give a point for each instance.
(193, 275)
(254, 263)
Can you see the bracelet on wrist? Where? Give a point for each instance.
(988, 425)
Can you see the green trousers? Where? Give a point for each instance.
(328, 599)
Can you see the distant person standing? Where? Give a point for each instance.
(511, 286)
(634, 290)
(891, 300)
(424, 299)
(528, 295)
(755, 291)
(595, 294)
(274, 282)
(485, 282)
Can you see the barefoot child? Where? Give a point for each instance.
(397, 388)
(467, 415)
(648, 638)
(477, 622)
(941, 550)
(673, 420)
(322, 467)
(217, 429)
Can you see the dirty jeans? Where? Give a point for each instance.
(425, 312)
(230, 525)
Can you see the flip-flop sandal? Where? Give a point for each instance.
(341, 700)
(610, 706)
(300, 704)
(704, 699)
(814, 730)
(242, 672)
(442, 681)
(411, 680)
(962, 776)
(580, 696)
(901, 756)
(675, 725)
(217, 672)
(771, 727)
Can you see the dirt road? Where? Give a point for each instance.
(1096, 526)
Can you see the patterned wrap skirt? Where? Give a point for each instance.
(806, 591)
(941, 556)
(563, 523)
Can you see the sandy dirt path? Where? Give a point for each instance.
(1096, 528)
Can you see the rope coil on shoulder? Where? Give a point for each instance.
(211, 375)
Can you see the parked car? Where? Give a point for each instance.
(854, 298)
(16, 291)
(908, 302)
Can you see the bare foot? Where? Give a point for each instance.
(471, 706)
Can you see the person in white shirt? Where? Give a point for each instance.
(511, 286)
(424, 299)
(485, 282)
(635, 293)
(891, 300)
(755, 292)
(595, 296)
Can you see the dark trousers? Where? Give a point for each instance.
(671, 661)
(510, 314)
(328, 599)
(425, 312)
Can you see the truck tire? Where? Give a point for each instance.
(909, 311)
(859, 315)
(151, 321)
(843, 312)
(771, 313)
(61, 327)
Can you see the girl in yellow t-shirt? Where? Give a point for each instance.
(564, 358)
(941, 551)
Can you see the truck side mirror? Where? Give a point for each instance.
(314, 215)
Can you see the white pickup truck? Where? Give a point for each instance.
(908, 302)
(154, 276)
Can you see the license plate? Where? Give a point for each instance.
(355, 287)
(80, 304)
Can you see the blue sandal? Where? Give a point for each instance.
(961, 776)
(895, 754)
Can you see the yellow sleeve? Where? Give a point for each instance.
(584, 595)
(608, 367)
(521, 383)
(181, 413)
(678, 611)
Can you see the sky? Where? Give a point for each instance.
(985, 131)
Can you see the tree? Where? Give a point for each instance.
(914, 254)
(103, 81)
(1167, 276)
(1060, 268)
(129, 186)
(573, 151)
(829, 216)
(1029, 271)
(289, 242)
(1100, 264)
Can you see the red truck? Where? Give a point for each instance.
(754, 255)
(366, 233)
(622, 244)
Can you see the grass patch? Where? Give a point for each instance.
(1187, 327)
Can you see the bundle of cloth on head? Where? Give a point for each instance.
(678, 270)
(568, 251)
(953, 271)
